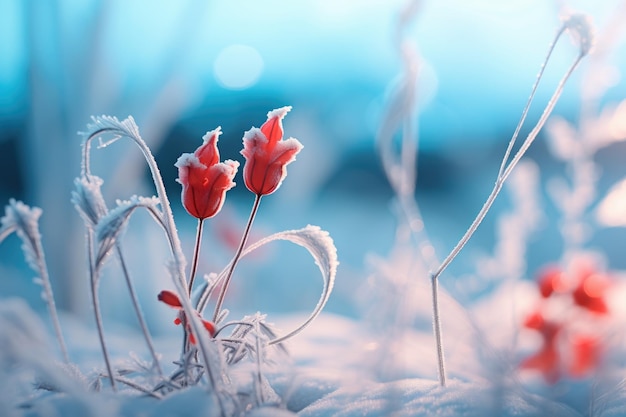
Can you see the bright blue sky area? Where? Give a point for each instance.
(480, 57)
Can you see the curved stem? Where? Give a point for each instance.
(233, 264)
(528, 103)
(502, 176)
(507, 171)
(96, 306)
(196, 256)
(140, 317)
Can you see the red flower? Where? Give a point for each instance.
(205, 180)
(564, 348)
(267, 155)
(589, 293)
(547, 359)
(172, 300)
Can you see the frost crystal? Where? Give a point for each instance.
(88, 199)
(24, 220)
(110, 226)
(321, 246)
(581, 29)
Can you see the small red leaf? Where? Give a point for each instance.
(170, 299)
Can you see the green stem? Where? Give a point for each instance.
(233, 264)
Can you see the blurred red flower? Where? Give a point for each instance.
(571, 341)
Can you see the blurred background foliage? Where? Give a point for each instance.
(182, 68)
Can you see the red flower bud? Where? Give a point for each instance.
(205, 180)
(267, 155)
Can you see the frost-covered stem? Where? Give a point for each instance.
(45, 279)
(259, 378)
(529, 102)
(168, 217)
(441, 363)
(507, 171)
(138, 312)
(98, 317)
(487, 205)
(542, 120)
(233, 264)
(93, 279)
(196, 256)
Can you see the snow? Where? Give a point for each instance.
(333, 370)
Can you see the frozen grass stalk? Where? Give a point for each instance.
(581, 30)
(24, 221)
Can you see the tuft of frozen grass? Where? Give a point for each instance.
(24, 221)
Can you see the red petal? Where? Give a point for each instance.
(550, 280)
(587, 352)
(209, 326)
(545, 361)
(534, 321)
(169, 298)
(590, 292)
(273, 127)
(208, 153)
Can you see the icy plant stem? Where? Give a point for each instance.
(45, 279)
(258, 388)
(96, 307)
(528, 103)
(502, 176)
(233, 264)
(441, 364)
(196, 256)
(98, 316)
(140, 317)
